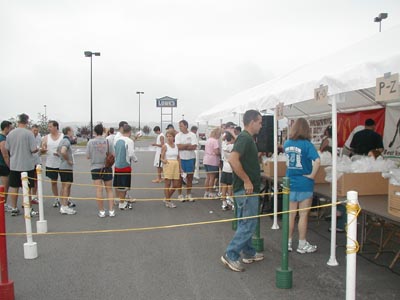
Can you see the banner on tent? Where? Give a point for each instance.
(346, 122)
(391, 138)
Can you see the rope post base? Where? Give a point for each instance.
(7, 290)
(283, 279)
(41, 226)
(284, 274)
(30, 250)
(6, 285)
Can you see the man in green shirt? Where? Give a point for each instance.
(246, 183)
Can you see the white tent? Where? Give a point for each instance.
(350, 74)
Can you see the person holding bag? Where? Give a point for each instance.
(101, 156)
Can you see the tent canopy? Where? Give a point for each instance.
(350, 75)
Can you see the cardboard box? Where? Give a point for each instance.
(320, 177)
(394, 200)
(363, 183)
(269, 168)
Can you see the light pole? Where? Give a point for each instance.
(139, 93)
(379, 19)
(90, 54)
(45, 112)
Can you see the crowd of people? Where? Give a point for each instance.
(175, 161)
(228, 149)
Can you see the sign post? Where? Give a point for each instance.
(166, 103)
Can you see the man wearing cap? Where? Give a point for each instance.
(367, 139)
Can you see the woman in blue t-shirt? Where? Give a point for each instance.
(302, 166)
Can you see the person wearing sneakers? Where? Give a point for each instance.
(21, 145)
(49, 146)
(211, 160)
(157, 158)
(172, 167)
(6, 127)
(187, 144)
(64, 151)
(38, 161)
(246, 183)
(226, 176)
(124, 150)
(96, 151)
(302, 161)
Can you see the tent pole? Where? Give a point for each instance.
(275, 224)
(332, 260)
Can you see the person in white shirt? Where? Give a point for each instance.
(187, 144)
(38, 161)
(49, 146)
(157, 158)
(124, 150)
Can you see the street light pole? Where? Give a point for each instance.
(90, 54)
(139, 105)
(379, 19)
(45, 112)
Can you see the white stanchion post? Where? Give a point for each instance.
(351, 246)
(41, 225)
(30, 247)
(196, 174)
(275, 224)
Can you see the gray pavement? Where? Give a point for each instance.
(180, 263)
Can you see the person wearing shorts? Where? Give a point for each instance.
(64, 151)
(6, 126)
(171, 167)
(187, 144)
(226, 176)
(211, 162)
(157, 157)
(21, 144)
(96, 151)
(124, 150)
(49, 147)
(300, 155)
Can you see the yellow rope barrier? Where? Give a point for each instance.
(164, 226)
(145, 199)
(90, 172)
(352, 209)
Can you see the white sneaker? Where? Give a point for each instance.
(181, 198)
(111, 213)
(205, 195)
(307, 248)
(190, 198)
(7, 208)
(65, 210)
(102, 214)
(122, 206)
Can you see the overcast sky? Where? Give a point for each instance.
(200, 52)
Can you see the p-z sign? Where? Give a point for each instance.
(387, 88)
